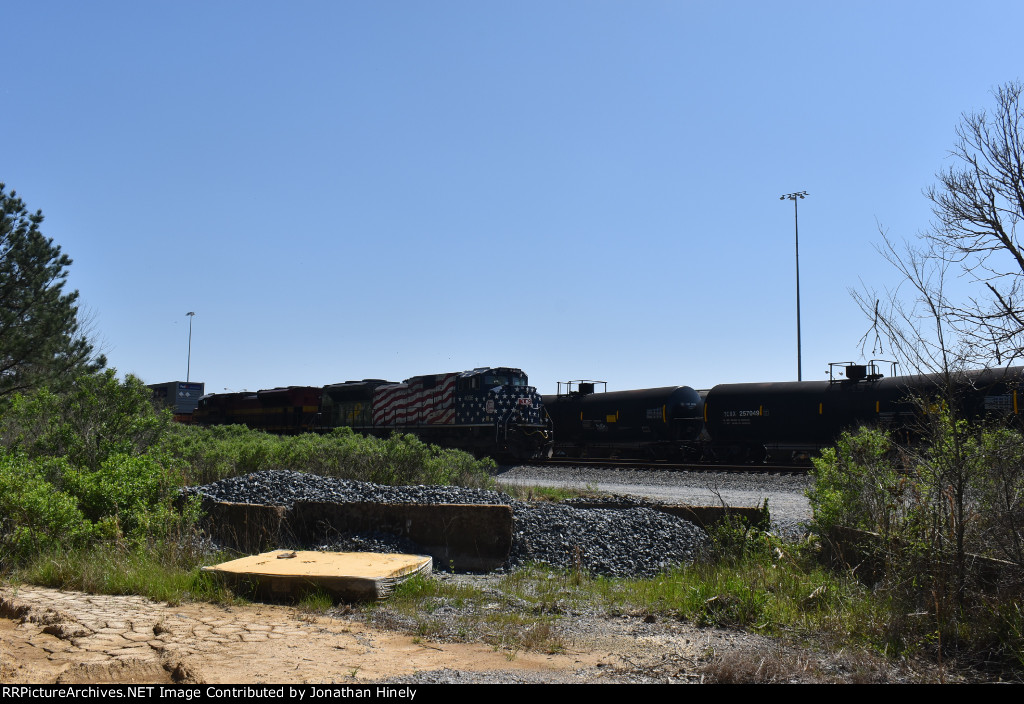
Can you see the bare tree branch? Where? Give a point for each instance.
(977, 205)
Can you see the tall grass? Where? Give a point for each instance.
(106, 568)
(533, 607)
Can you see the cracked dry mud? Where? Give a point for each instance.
(65, 637)
(52, 636)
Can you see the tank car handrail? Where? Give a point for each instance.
(579, 391)
(858, 372)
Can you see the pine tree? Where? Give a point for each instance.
(41, 340)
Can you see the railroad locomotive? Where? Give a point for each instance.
(485, 410)
(775, 421)
(284, 410)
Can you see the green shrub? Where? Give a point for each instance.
(209, 454)
(999, 490)
(34, 514)
(734, 539)
(939, 508)
(132, 495)
(858, 484)
(82, 466)
(97, 417)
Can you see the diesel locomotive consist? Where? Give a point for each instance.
(486, 410)
(776, 422)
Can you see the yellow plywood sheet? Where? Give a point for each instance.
(358, 575)
(373, 565)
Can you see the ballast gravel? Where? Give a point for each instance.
(637, 541)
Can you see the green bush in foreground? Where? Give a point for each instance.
(940, 510)
(35, 515)
(46, 503)
(79, 468)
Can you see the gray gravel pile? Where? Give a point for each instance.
(370, 541)
(617, 542)
(284, 488)
(620, 542)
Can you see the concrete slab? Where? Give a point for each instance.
(345, 575)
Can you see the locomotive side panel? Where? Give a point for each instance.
(782, 420)
(288, 410)
(650, 423)
(226, 409)
(421, 400)
(348, 404)
(498, 408)
(794, 420)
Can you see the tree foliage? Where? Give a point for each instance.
(41, 339)
(82, 466)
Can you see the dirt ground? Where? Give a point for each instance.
(50, 636)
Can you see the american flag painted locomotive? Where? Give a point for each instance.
(485, 410)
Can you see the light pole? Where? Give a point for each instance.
(188, 370)
(796, 228)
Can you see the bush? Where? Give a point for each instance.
(35, 515)
(210, 454)
(858, 484)
(941, 509)
(130, 496)
(1001, 494)
(81, 466)
(735, 540)
(97, 417)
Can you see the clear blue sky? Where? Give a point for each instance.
(583, 189)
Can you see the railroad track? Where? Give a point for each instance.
(666, 466)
